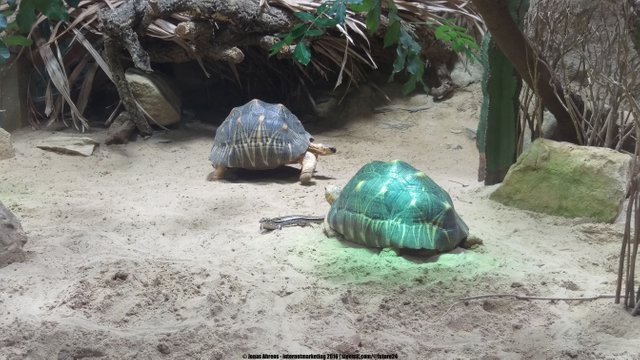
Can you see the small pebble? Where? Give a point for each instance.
(163, 348)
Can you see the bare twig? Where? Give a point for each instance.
(520, 297)
(524, 297)
(589, 51)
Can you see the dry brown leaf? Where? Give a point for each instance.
(94, 53)
(59, 80)
(87, 85)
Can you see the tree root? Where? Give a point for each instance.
(121, 130)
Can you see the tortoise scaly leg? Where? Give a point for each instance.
(328, 231)
(308, 167)
(217, 173)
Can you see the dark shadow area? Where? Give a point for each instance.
(421, 256)
(314, 99)
(283, 175)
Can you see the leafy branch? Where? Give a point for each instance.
(457, 37)
(16, 20)
(333, 13)
(328, 16)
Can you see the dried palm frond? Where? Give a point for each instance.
(73, 59)
(55, 68)
(353, 56)
(413, 11)
(345, 52)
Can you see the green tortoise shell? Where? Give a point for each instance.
(393, 204)
(259, 135)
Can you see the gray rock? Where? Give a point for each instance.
(69, 145)
(6, 147)
(549, 126)
(564, 179)
(465, 73)
(155, 96)
(12, 237)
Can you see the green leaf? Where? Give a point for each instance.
(4, 53)
(373, 17)
(393, 10)
(302, 53)
(26, 15)
(314, 32)
(304, 16)
(409, 86)
(11, 2)
(72, 3)
(325, 22)
(401, 56)
(362, 6)
(457, 37)
(323, 8)
(470, 44)
(275, 49)
(443, 33)
(17, 40)
(415, 65)
(393, 34)
(12, 26)
(340, 13)
(458, 29)
(3, 22)
(288, 40)
(52, 9)
(406, 40)
(298, 30)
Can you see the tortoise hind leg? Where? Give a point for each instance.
(217, 173)
(308, 167)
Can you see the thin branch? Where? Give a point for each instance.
(520, 297)
(524, 297)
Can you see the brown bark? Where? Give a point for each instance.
(530, 66)
(242, 19)
(244, 22)
(112, 57)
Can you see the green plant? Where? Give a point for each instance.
(458, 38)
(17, 19)
(334, 14)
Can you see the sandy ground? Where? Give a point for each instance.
(133, 255)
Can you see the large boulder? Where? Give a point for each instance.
(155, 95)
(12, 237)
(564, 179)
(6, 147)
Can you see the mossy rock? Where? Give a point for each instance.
(564, 179)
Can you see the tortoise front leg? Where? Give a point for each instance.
(217, 173)
(328, 230)
(308, 167)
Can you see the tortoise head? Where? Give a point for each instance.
(321, 149)
(331, 193)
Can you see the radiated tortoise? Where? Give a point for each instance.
(260, 135)
(392, 204)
